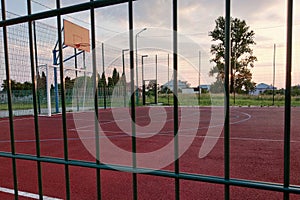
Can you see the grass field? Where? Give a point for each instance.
(240, 100)
(184, 100)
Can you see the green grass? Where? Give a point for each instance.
(262, 100)
(185, 100)
(218, 100)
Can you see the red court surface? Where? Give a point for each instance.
(256, 153)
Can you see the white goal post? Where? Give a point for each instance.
(49, 76)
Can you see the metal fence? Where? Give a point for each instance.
(286, 189)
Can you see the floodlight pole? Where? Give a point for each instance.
(274, 59)
(155, 95)
(235, 60)
(123, 76)
(143, 80)
(136, 57)
(103, 65)
(123, 60)
(168, 79)
(199, 77)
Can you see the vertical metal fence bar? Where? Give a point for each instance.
(95, 76)
(175, 99)
(287, 113)
(9, 99)
(227, 98)
(35, 101)
(63, 102)
(36, 63)
(132, 97)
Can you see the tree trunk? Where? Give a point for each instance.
(231, 81)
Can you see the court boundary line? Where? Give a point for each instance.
(164, 133)
(248, 117)
(26, 194)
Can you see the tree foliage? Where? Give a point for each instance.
(242, 58)
(217, 87)
(16, 85)
(102, 82)
(41, 81)
(115, 77)
(151, 88)
(69, 83)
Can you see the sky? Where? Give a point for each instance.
(195, 19)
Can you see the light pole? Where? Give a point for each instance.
(199, 75)
(274, 59)
(136, 57)
(123, 76)
(156, 85)
(123, 60)
(104, 86)
(168, 79)
(234, 81)
(144, 87)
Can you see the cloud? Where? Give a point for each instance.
(195, 18)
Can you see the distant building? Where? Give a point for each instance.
(188, 91)
(204, 88)
(181, 85)
(261, 88)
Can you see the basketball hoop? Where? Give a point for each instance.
(81, 46)
(76, 36)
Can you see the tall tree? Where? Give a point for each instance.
(115, 76)
(69, 83)
(110, 83)
(242, 58)
(4, 85)
(41, 81)
(102, 81)
(16, 85)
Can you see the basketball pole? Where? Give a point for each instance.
(68, 41)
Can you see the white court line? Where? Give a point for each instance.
(84, 128)
(18, 119)
(26, 194)
(120, 120)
